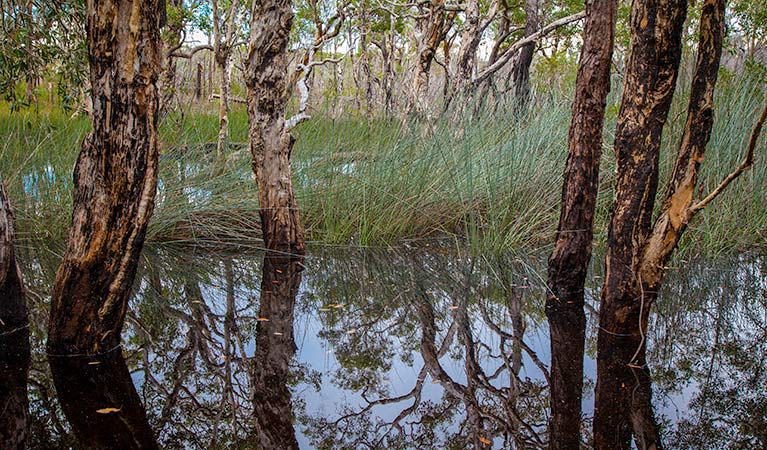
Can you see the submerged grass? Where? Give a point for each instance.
(490, 182)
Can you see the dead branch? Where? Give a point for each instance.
(748, 161)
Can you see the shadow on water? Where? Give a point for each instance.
(387, 350)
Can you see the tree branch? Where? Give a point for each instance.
(748, 161)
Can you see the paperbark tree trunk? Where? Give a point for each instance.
(14, 338)
(436, 26)
(521, 73)
(114, 179)
(656, 31)
(270, 139)
(569, 262)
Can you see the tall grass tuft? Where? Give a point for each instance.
(489, 180)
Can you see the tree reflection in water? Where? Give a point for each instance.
(401, 350)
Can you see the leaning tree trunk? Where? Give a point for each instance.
(14, 339)
(656, 31)
(569, 261)
(114, 182)
(270, 139)
(521, 71)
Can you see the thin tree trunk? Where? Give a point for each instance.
(270, 140)
(14, 338)
(656, 29)
(115, 179)
(521, 69)
(569, 261)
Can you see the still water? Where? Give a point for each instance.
(383, 349)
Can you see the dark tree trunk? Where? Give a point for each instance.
(569, 261)
(100, 402)
(521, 71)
(275, 347)
(656, 31)
(198, 83)
(114, 187)
(14, 338)
(270, 139)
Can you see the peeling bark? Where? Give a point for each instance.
(435, 28)
(270, 140)
(569, 262)
(656, 32)
(676, 211)
(14, 338)
(114, 179)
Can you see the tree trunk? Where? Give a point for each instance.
(114, 179)
(521, 71)
(270, 140)
(275, 347)
(569, 261)
(434, 30)
(223, 61)
(656, 30)
(14, 338)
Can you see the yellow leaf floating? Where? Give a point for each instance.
(263, 319)
(93, 363)
(108, 410)
(277, 333)
(484, 440)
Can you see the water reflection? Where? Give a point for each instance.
(100, 401)
(407, 350)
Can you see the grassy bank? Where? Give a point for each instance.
(492, 183)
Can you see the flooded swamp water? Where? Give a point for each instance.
(384, 349)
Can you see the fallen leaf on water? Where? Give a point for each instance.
(352, 331)
(484, 440)
(108, 410)
(338, 305)
(278, 270)
(263, 319)
(453, 307)
(277, 333)
(93, 363)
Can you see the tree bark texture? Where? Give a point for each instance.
(656, 31)
(270, 140)
(115, 178)
(521, 73)
(677, 205)
(275, 347)
(569, 262)
(435, 27)
(14, 338)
